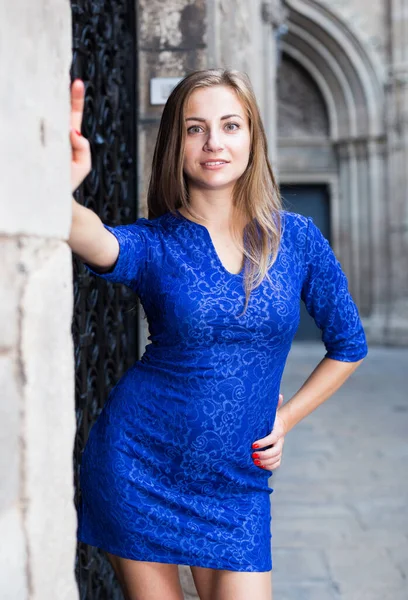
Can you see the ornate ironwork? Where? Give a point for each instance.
(105, 320)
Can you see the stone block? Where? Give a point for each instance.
(174, 24)
(34, 119)
(48, 422)
(11, 280)
(13, 557)
(10, 442)
(164, 64)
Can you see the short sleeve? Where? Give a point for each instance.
(328, 300)
(129, 266)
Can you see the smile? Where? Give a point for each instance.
(211, 164)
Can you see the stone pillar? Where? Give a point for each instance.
(37, 424)
(363, 229)
(344, 236)
(397, 197)
(375, 325)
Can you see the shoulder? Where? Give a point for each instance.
(293, 221)
(146, 228)
(294, 228)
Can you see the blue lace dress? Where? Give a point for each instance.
(167, 473)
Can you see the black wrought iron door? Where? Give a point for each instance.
(106, 316)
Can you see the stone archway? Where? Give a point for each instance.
(343, 145)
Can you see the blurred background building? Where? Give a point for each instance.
(331, 78)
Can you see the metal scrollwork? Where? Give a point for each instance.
(105, 324)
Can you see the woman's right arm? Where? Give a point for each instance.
(88, 238)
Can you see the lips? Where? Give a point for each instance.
(214, 163)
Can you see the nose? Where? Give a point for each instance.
(213, 142)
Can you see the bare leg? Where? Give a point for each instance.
(220, 584)
(243, 585)
(143, 580)
(204, 579)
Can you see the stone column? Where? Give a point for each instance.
(37, 410)
(397, 197)
(378, 198)
(345, 237)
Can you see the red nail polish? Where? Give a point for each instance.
(257, 462)
(255, 445)
(255, 455)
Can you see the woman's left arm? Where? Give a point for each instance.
(328, 300)
(323, 382)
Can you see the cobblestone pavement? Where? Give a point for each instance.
(340, 500)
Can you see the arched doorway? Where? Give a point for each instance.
(331, 144)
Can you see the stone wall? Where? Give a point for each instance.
(37, 424)
(357, 53)
(397, 146)
(368, 20)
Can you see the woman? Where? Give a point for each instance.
(176, 468)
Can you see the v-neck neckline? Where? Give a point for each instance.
(212, 247)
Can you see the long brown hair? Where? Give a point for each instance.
(256, 193)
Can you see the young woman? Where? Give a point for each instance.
(176, 468)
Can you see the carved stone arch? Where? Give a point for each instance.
(347, 75)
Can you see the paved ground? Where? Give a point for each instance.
(340, 500)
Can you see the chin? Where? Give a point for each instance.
(214, 182)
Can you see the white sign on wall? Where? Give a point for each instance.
(161, 88)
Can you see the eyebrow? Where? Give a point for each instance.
(201, 120)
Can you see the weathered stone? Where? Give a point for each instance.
(165, 64)
(11, 279)
(14, 582)
(48, 417)
(171, 25)
(34, 118)
(10, 441)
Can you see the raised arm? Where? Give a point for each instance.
(88, 238)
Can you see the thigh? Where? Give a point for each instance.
(204, 580)
(143, 580)
(238, 585)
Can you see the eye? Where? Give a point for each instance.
(194, 129)
(232, 126)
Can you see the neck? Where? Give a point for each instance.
(214, 208)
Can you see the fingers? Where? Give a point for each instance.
(275, 434)
(77, 103)
(80, 149)
(270, 439)
(271, 458)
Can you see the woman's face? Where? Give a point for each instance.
(218, 143)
